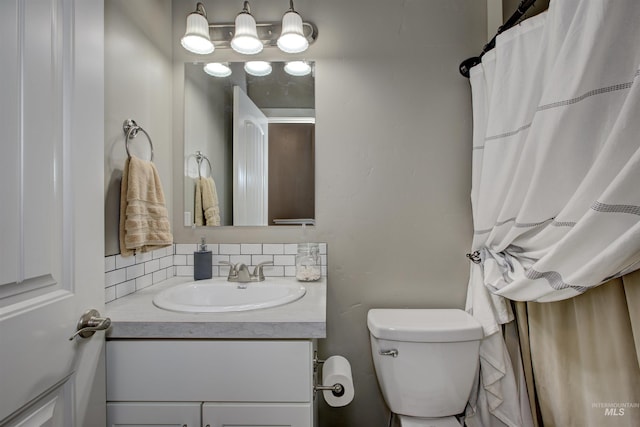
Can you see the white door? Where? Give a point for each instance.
(250, 161)
(51, 211)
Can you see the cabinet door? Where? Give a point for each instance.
(257, 414)
(165, 414)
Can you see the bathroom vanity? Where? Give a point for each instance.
(249, 368)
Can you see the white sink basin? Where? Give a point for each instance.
(219, 295)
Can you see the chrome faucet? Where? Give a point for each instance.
(240, 272)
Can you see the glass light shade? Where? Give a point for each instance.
(245, 40)
(297, 68)
(292, 39)
(258, 68)
(217, 69)
(196, 38)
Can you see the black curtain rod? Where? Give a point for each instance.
(466, 65)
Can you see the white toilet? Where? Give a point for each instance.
(426, 361)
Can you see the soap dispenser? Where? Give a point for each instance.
(202, 262)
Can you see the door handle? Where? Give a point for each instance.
(89, 323)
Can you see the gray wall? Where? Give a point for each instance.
(393, 157)
(137, 86)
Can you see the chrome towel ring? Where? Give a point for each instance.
(199, 158)
(131, 129)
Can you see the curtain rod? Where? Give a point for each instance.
(466, 65)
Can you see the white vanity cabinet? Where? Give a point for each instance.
(212, 383)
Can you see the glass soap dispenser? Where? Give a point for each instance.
(308, 262)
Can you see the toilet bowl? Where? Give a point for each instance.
(426, 361)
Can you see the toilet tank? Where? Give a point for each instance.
(425, 359)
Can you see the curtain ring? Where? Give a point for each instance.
(474, 257)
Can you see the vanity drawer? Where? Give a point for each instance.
(219, 370)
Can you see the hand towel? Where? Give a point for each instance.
(210, 202)
(198, 212)
(144, 221)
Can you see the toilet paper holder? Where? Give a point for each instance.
(337, 389)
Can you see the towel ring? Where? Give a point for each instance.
(199, 158)
(131, 129)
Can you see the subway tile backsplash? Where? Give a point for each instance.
(124, 276)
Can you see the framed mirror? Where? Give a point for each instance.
(249, 145)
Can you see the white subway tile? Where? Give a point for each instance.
(159, 276)
(251, 248)
(135, 271)
(244, 259)
(114, 277)
(323, 260)
(323, 270)
(122, 262)
(179, 260)
(215, 271)
(143, 257)
(273, 248)
(162, 252)
(229, 249)
(125, 288)
(322, 248)
(190, 259)
(284, 260)
(223, 271)
(109, 263)
(184, 270)
(151, 266)
(144, 281)
(170, 272)
(290, 271)
(110, 294)
(290, 248)
(186, 248)
(166, 262)
(257, 259)
(215, 259)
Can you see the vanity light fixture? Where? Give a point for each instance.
(291, 35)
(217, 69)
(196, 37)
(258, 68)
(245, 39)
(297, 68)
(292, 39)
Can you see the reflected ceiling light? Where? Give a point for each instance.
(292, 39)
(297, 68)
(258, 68)
(245, 38)
(217, 69)
(196, 37)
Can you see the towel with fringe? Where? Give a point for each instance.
(206, 209)
(144, 221)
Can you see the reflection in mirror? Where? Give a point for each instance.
(249, 146)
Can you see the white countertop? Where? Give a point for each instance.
(135, 316)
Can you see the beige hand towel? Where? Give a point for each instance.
(199, 213)
(144, 221)
(210, 202)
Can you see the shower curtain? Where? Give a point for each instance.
(555, 181)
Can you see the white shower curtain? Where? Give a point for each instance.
(556, 174)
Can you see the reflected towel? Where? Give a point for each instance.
(144, 221)
(206, 209)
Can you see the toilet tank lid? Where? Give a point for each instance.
(423, 325)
